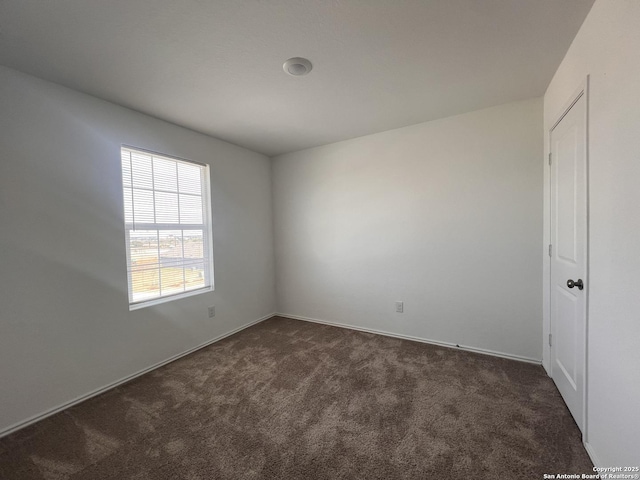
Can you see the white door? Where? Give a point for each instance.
(569, 256)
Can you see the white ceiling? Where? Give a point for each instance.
(216, 65)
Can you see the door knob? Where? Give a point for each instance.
(578, 283)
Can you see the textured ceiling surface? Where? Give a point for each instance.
(216, 66)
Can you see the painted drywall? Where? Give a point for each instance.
(65, 324)
(606, 49)
(215, 66)
(445, 216)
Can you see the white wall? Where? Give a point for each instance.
(607, 48)
(445, 216)
(65, 325)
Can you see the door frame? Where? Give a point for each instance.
(581, 91)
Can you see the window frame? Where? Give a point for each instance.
(206, 227)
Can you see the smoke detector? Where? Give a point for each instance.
(297, 66)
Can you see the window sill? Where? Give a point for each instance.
(169, 298)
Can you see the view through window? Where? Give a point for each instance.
(167, 224)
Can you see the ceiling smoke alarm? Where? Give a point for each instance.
(297, 66)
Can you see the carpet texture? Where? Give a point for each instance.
(288, 399)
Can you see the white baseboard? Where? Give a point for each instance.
(41, 416)
(594, 458)
(415, 339)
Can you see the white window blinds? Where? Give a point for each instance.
(167, 224)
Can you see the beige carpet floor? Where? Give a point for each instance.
(286, 399)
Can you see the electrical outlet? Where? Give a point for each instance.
(212, 311)
(399, 307)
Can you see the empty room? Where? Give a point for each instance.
(291, 239)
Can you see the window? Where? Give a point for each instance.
(168, 227)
